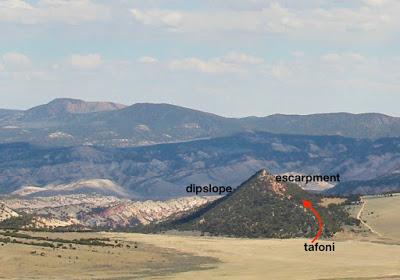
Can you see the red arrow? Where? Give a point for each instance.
(308, 204)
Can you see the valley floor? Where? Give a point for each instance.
(382, 214)
(128, 259)
(359, 254)
(282, 259)
(189, 257)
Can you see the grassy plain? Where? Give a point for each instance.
(282, 259)
(189, 257)
(124, 260)
(383, 215)
(359, 255)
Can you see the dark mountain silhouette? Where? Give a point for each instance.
(69, 122)
(9, 115)
(62, 107)
(370, 125)
(380, 185)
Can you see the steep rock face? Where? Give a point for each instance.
(261, 207)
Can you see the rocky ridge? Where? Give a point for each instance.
(6, 213)
(92, 186)
(95, 211)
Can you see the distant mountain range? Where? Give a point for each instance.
(261, 207)
(64, 107)
(164, 171)
(155, 150)
(69, 122)
(383, 184)
(99, 186)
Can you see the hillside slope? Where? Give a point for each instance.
(6, 213)
(383, 184)
(164, 171)
(368, 125)
(261, 207)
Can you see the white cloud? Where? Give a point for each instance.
(85, 62)
(170, 19)
(214, 21)
(376, 2)
(232, 62)
(343, 58)
(298, 54)
(333, 69)
(147, 60)
(17, 11)
(281, 71)
(16, 60)
(242, 58)
(236, 82)
(213, 66)
(377, 16)
(70, 12)
(16, 66)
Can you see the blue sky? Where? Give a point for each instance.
(248, 57)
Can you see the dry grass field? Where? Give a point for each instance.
(383, 215)
(282, 259)
(124, 260)
(359, 255)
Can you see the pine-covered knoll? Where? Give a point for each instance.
(261, 207)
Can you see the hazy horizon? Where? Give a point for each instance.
(233, 116)
(241, 58)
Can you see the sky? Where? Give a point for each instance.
(233, 58)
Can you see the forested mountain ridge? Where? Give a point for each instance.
(164, 171)
(69, 122)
